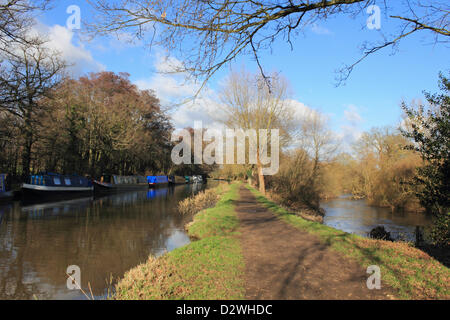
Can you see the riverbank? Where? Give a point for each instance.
(249, 248)
(211, 267)
(285, 263)
(412, 273)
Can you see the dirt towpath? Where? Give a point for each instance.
(283, 262)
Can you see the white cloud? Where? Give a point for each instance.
(300, 110)
(61, 39)
(169, 89)
(351, 128)
(123, 40)
(317, 29)
(350, 134)
(167, 64)
(175, 88)
(204, 110)
(351, 115)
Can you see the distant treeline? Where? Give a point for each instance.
(100, 123)
(380, 169)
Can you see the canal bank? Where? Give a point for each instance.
(410, 272)
(251, 248)
(210, 267)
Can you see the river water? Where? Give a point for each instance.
(104, 237)
(355, 216)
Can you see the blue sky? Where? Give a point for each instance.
(371, 96)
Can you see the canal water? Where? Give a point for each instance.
(104, 237)
(355, 216)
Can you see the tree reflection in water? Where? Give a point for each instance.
(104, 236)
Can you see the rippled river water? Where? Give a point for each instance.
(105, 237)
(355, 216)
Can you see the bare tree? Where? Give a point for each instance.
(249, 104)
(27, 75)
(317, 139)
(16, 19)
(210, 34)
(413, 16)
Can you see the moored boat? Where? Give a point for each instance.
(197, 179)
(115, 183)
(176, 180)
(6, 193)
(57, 184)
(157, 181)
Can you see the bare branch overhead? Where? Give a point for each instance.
(210, 34)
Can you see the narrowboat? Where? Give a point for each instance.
(5, 187)
(176, 180)
(115, 183)
(57, 184)
(157, 181)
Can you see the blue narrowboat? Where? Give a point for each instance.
(5, 187)
(54, 183)
(115, 183)
(157, 181)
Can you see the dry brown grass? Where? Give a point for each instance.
(203, 200)
(305, 213)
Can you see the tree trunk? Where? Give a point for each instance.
(28, 143)
(262, 184)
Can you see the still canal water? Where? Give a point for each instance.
(355, 216)
(105, 237)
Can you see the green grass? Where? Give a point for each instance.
(210, 268)
(413, 273)
(220, 220)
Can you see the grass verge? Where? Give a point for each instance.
(209, 268)
(412, 272)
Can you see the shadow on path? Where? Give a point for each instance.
(283, 262)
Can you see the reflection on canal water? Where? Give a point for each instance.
(103, 236)
(355, 216)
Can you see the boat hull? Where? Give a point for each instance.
(176, 180)
(158, 185)
(6, 196)
(102, 187)
(39, 191)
